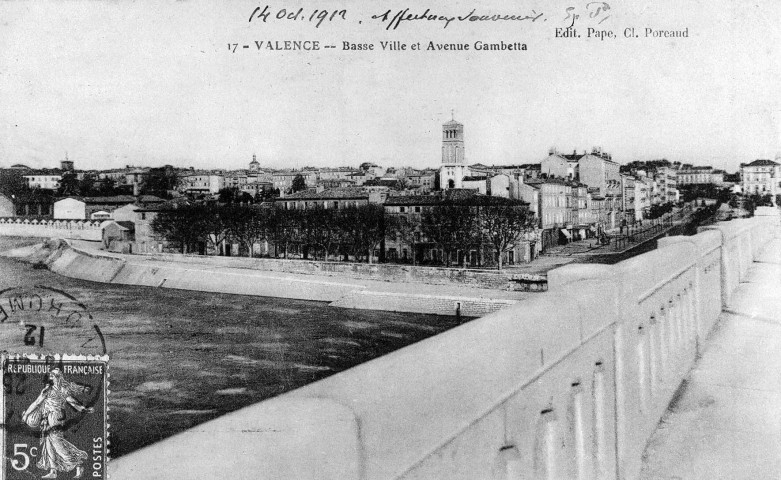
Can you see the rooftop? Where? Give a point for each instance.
(761, 163)
(328, 194)
(118, 199)
(456, 196)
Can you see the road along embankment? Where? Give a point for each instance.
(64, 259)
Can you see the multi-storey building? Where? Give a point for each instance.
(47, 179)
(666, 182)
(333, 198)
(414, 246)
(643, 195)
(598, 170)
(283, 180)
(257, 188)
(628, 199)
(761, 177)
(202, 183)
(695, 175)
(423, 180)
(561, 165)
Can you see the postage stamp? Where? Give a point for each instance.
(55, 416)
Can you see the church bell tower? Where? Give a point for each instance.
(454, 168)
(453, 143)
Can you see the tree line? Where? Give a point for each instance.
(349, 232)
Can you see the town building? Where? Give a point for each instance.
(118, 235)
(7, 208)
(334, 198)
(203, 183)
(98, 208)
(257, 188)
(560, 165)
(283, 180)
(598, 170)
(425, 180)
(643, 196)
(695, 175)
(413, 246)
(338, 174)
(761, 177)
(665, 179)
(47, 179)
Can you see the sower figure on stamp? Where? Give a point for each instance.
(47, 412)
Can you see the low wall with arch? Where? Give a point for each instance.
(48, 228)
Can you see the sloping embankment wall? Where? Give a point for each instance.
(72, 262)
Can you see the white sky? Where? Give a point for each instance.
(119, 82)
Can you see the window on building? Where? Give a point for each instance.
(417, 209)
(402, 209)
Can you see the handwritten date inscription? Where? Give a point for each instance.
(315, 16)
(593, 11)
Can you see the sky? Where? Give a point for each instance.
(116, 83)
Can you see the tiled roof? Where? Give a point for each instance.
(119, 199)
(453, 196)
(43, 171)
(127, 225)
(761, 163)
(328, 194)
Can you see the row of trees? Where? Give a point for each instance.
(316, 232)
(355, 231)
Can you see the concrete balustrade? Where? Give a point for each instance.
(567, 384)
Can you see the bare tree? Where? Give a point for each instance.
(246, 224)
(452, 227)
(362, 227)
(406, 228)
(281, 229)
(504, 225)
(213, 221)
(177, 225)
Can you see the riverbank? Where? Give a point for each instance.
(180, 358)
(91, 264)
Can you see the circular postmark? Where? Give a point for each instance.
(47, 320)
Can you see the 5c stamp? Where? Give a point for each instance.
(54, 412)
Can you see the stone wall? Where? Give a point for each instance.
(70, 229)
(385, 272)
